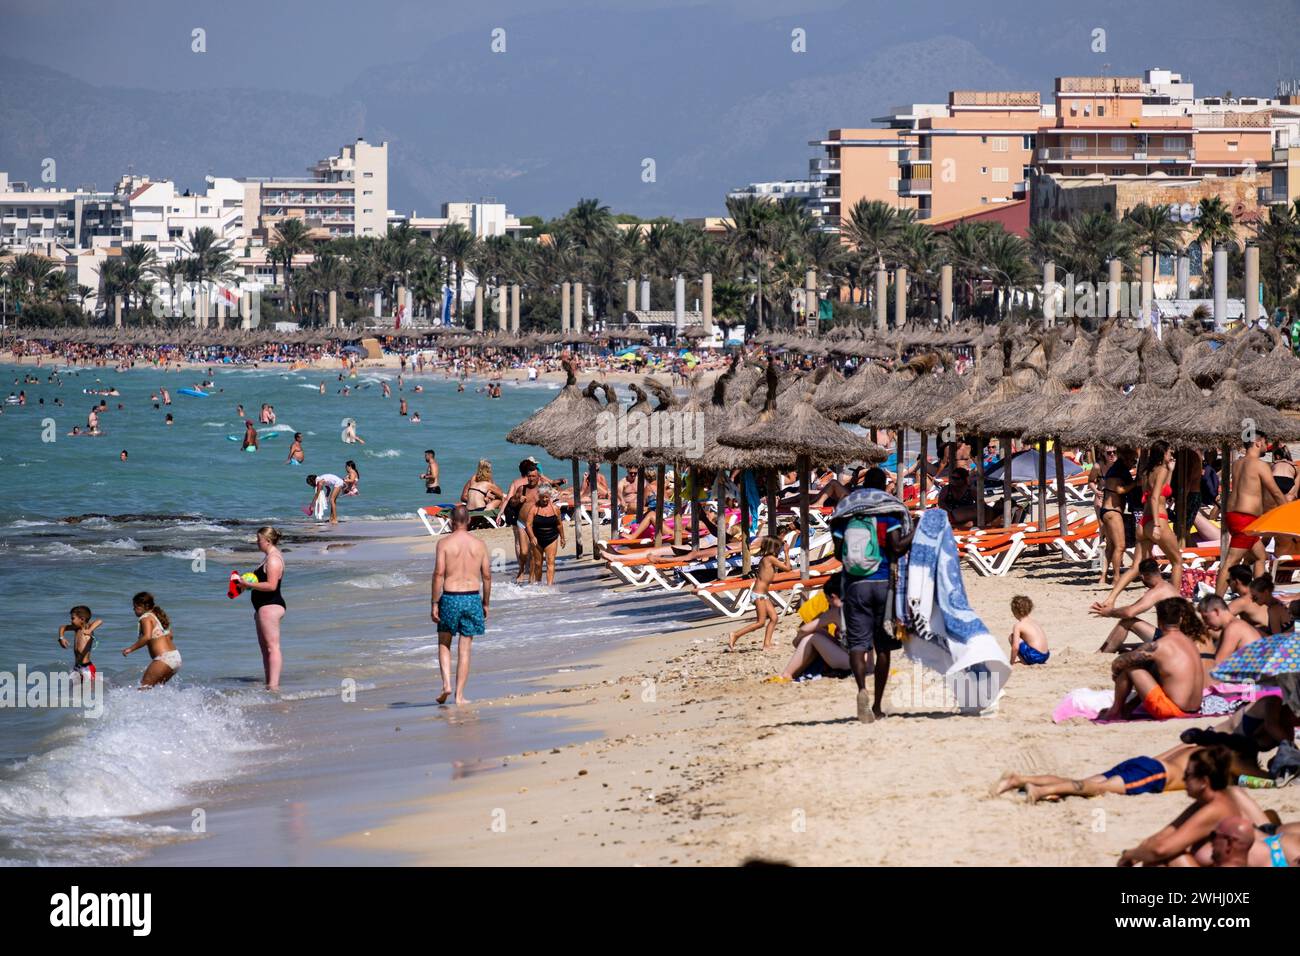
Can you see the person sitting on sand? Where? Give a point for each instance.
(769, 564)
(1234, 633)
(1208, 782)
(480, 493)
(1165, 676)
(1163, 772)
(1260, 608)
(815, 638)
(1128, 615)
(1028, 639)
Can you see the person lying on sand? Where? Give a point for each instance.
(1208, 782)
(1165, 677)
(1128, 615)
(1158, 774)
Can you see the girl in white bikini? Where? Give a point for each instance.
(156, 631)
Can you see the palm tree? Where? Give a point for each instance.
(1156, 232)
(588, 219)
(209, 257)
(1006, 263)
(173, 272)
(1278, 238)
(754, 230)
(1090, 240)
(291, 238)
(922, 253)
(28, 273)
(140, 262)
(873, 228)
(1214, 227)
(458, 245)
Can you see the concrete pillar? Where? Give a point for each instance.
(409, 301)
(578, 303)
(810, 299)
(201, 316)
(247, 319)
(679, 302)
(117, 311)
(1252, 283)
(900, 297)
(645, 295)
(882, 294)
(379, 304)
(945, 294)
(1049, 294)
(1148, 286)
(400, 301)
(514, 308)
(631, 295)
(706, 282)
(334, 309)
(501, 308)
(1220, 287)
(1115, 277)
(1183, 273)
(564, 306)
(478, 307)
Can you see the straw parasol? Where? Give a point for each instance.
(1272, 379)
(1225, 417)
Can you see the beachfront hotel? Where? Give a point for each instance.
(1101, 142)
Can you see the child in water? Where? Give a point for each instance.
(1028, 639)
(769, 564)
(156, 632)
(83, 640)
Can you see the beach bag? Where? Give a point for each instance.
(861, 550)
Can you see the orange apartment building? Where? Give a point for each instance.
(983, 149)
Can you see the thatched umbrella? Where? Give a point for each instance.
(1272, 379)
(802, 435)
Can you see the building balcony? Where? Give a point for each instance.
(830, 192)
(819, 166)
(1062, 154)
(914, 154)
(914, 187)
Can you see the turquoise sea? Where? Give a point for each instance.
(80, 789)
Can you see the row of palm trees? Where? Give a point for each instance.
(758, 264)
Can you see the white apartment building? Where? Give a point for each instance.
(484, 219)
(345, 195)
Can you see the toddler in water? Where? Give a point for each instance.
(1028, 639)
(83, 640)
(769, 564)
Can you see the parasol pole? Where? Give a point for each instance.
(577, 507)
(979, 482)
(1042, 485)
(1181, 474)
(640, 493)
(722, 527)
(1006, 480)
(677, 503)
(744, 522)
(660, 473)
(900, 441)
(697, 501)
(1062, 524)
(614, 501)
(925, 444)
(805, 465)
(594, 474)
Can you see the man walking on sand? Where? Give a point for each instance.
(1252, 484)
(462, 591)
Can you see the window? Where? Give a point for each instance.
(1078, 142)
(1175, 142)
(984, 200)
(1026, 142)
(999, 144)
(984, 140)
(1079, 171)
(1000, 174)
(984, 170)
(367, 192)
(1074, 108)
(1026, 172)
(1232, 145)
(365, 211)
(1119, 144)
(1101, 110)
(367, 175)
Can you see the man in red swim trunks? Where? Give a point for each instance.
(1252, 485)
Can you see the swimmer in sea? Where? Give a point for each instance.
(83, 623)
(156, 632)
(295, 450)
(239, 410)
(350, 435)
(250, 435)
(401, 407)
(415, 418)
(430, 477)
(122, 457)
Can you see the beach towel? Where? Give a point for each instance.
(946, 634)
(754, 497)
(1218, 700)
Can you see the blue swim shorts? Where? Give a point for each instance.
(461, 612)
(1140, 775)
(1031, 655)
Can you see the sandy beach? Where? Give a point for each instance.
(700, 762)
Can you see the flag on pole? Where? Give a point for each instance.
(446, 305)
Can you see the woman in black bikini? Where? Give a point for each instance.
(1116, 482)
(268, 603)
(545, 531)
(1284, 473)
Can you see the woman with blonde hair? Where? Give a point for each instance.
(268, 603)
(480, 492)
